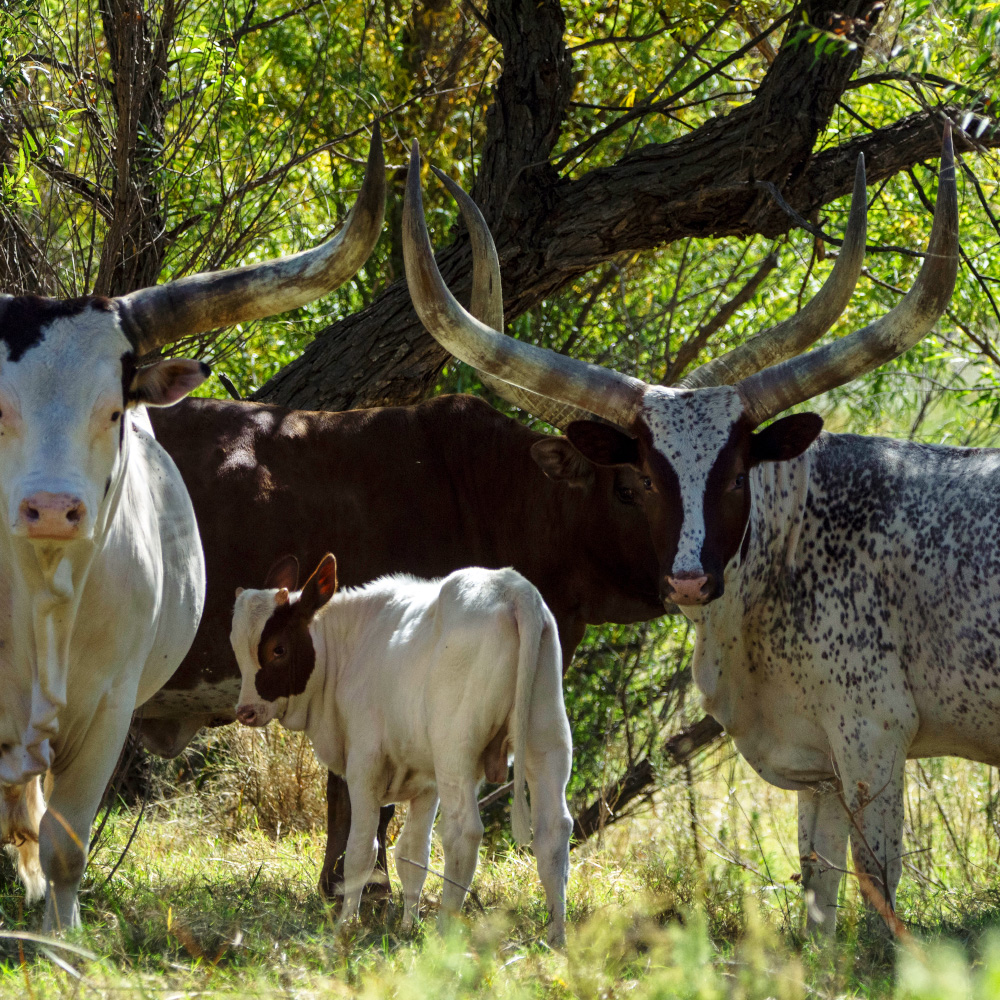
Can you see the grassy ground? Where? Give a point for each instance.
(694, 898)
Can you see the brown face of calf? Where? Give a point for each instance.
(285, 651)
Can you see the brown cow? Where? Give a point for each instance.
(424, 489)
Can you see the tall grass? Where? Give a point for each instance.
(695, 897)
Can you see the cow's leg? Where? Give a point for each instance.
(413, 851)
(461, 835)
(823, 830)
(77, 790)
(338, 826)
(359, 859)
(871, 772)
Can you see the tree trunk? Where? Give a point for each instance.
(550, 230)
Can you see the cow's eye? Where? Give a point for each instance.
(116, 416)
(647, 482)
(278, 651)
(739, 481)
(626, 494)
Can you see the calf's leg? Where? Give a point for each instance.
(338, 826)
(548, 763)
(359, 859)
(823, 831)
(413, 851)
(461, 835)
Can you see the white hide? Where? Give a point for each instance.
(691, 437)
(413, 678)
(89, 628)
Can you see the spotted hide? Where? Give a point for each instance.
(860, 629)
(841, 595)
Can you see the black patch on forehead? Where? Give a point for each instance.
(291, 626)
(23, 319)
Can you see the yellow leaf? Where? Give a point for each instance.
(630, 99)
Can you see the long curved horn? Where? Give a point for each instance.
(156, 316)
(486, 304)
(792, 336)
(769, 392)
(607, 393)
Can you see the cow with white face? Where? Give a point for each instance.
(102, 579)
(794, 562)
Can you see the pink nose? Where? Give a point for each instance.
(51, 515)
(246, 714)
(689, 588)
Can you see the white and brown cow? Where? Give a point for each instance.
(102, 579)
(409, 689)
(844, 595)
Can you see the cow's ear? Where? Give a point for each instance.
(166, 382)
(602, 443)
(558, 459)
(320, 587)
(283, 575)
(785, 438)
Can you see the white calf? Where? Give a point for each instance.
(408, 688)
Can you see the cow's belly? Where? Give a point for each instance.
(791, 753)
(217, 701)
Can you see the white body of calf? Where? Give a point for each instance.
(407, 687)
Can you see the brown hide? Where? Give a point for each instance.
(424, 489)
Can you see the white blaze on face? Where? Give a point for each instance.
(60, 413)
(250, 615)
(689, 429)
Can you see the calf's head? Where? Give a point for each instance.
(692, 447)
(271, 638)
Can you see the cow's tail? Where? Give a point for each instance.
(535, 636)
(21, 808)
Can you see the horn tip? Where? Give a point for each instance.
(947, 146)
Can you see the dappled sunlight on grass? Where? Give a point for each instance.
(694, 897)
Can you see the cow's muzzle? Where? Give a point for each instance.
(51, 516)
(250, 715)
(690, 589)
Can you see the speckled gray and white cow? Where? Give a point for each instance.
(843, 594)
(102, 580)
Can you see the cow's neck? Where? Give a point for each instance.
(314, 712)
(49, 585)
(723, 665)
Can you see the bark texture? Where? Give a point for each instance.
(551, 229)
(135, 244)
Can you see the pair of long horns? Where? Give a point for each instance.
(154, 317)
(790, 378)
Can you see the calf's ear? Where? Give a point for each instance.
(166, 382)
(785, 438)
(283, 575)
(602, 444)
(320, 587)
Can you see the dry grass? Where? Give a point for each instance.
(692, 899)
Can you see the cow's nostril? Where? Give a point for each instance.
(74, 515)
(31, 513)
